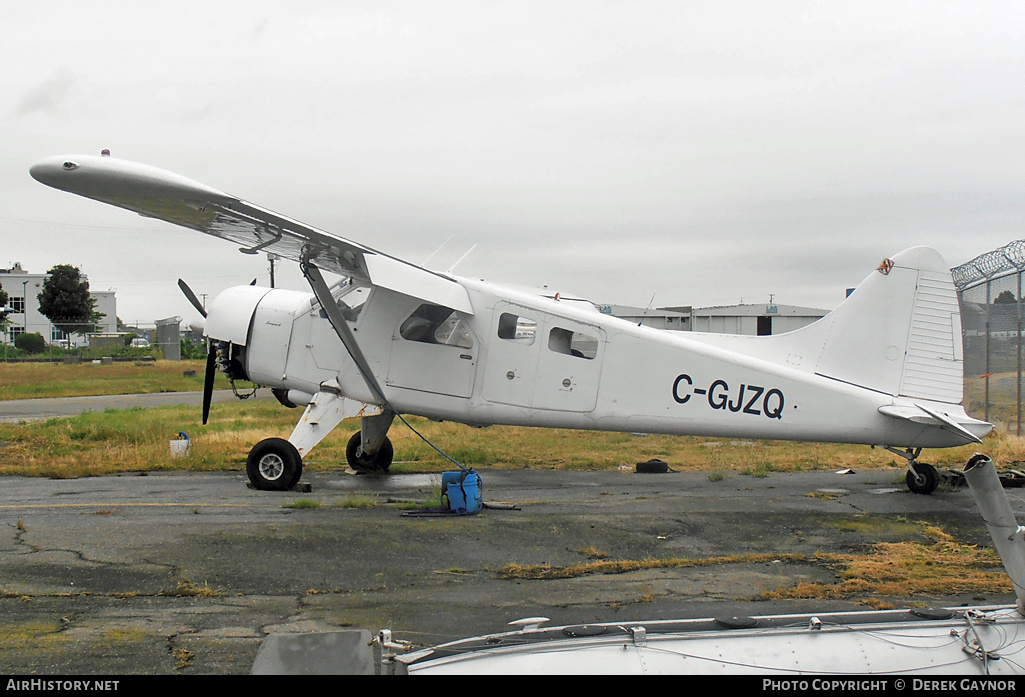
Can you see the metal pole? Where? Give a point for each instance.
(1019, 354)
(989, 305)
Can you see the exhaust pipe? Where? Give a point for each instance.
(1008, 536)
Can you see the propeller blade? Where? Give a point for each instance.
(208, 382)
(191, 296)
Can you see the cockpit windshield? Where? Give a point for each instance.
(350, 295)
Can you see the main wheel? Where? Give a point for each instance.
(274, 465)
(926, 481)
(365, 464)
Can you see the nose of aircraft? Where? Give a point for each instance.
(50, 170)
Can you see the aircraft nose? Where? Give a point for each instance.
(51, 170)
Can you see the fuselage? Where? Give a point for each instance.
(524, 359)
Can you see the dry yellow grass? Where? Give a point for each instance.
(939, 565)
(544, 572)
(900, 569)
(136, 440)
(132, 440)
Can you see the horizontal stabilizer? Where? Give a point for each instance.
(920, 414)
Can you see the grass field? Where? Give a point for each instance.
(37, 380)
(98, 443)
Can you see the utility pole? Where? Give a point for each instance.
(271, 258)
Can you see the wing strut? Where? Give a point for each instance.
(334, 316)
(323, 293)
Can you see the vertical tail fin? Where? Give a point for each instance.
(899, 332)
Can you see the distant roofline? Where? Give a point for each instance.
(741, 310)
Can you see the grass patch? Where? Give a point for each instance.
(188, 589)
(593, 552)
(544, 572)
(183, 659)
(937, 565)
(940, 566)
(303, 504)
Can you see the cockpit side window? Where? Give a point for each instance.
(520, 330)
(350, 296)
(435, 324)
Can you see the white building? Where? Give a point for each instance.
(23, 289)
(753, 320)
(673, 319)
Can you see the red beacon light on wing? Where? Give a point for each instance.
(105, 152)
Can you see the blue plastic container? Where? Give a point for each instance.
(464, 492)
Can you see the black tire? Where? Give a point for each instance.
(930, 479)
(274, 465)
(380, 462)
(652, 467)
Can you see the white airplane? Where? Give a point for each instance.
(392, 338)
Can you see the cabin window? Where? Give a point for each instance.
(572, 343)
(350, 297)
(434, 324)
(517, 329)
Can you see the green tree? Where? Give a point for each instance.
(1005, 298)
(32, 343)
(65, 300)
(192, 350)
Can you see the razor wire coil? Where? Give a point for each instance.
(1006, 260)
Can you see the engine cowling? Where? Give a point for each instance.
(253, 327)
(230, 315)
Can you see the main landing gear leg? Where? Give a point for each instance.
(370, 451)
(921, 478)
(275, 464)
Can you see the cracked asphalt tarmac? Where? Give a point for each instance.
(187, 573)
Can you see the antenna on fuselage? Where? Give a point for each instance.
(460, 259)
(435, 252)
(648, 308)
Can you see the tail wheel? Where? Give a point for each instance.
(274, 465)
(924, 479)
(367, 464)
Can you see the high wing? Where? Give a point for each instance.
(157, 193)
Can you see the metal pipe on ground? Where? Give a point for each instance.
(1008, 537)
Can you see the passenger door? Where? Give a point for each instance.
(511, 367)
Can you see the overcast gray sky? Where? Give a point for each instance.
(701, 152)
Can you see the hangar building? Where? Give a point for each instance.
(749, 319)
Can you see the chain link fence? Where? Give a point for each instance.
(990, 292)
